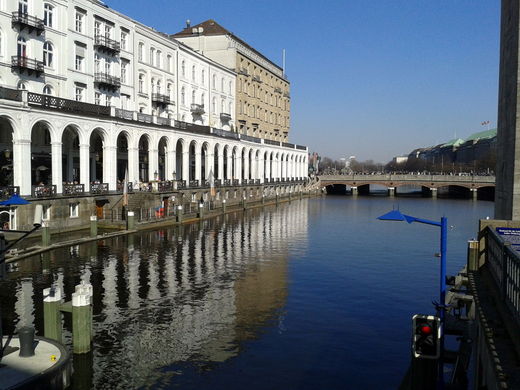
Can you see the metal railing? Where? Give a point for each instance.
(98, 188)
(144, 117)
(101, 40)
(225, 134)
(225, 117)
(73, 189)
(124, 114)
(226, 183)
(53, 102)
(21, 62)
(245, 137)
(22, 18)
(288, 145)
(236, 182)
(107, 79)
(163, 121)
(165, 186)
(181, 184)
(160, 98)
(121, 185)
(197, 109)
(503, 262)
(271, 142)
(218, 182)
(194, 184)
(8, 191)
(44, 191)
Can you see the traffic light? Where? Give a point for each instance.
(426, 336)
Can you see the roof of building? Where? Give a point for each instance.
(453, 142)
(211, 27)
(482, 135)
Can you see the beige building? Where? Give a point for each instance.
(262, 91)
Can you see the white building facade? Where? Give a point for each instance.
(90, 96)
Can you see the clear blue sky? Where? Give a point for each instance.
(370, 78)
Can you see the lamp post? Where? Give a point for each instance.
(396, 215)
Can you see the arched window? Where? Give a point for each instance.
(141, 83)
(169, 63)
(202, 76)
(193, 72)
(21, 48)
(47, 54)
(141, 51)
(169, 90)
(183, 68)
(222, 107)
(159, 59)
(158, 86)
(23, 7)
(152, 86)
(21, 85)
(47, 15)
(193, 96)
(202, 98)
(183, 96)
(152, 55)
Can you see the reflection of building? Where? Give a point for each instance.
(173, 296)
(262, 90)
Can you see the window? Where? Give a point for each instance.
(21, 48)
(79, 93)
(214, 105)
(222, 84)
(214, 82)
(202, 76)
(159, 87)
(169, 90)
(183, 96)
(23, 7)
(47, 90)
(169, 63)
(152, 55)
(108, 31)
(47, 54)
(124, 101)
(193, 96)
(124, 37)
(193, 72)
(97, 63)
(107, 67)
(108, 101)
(79, 63)
(158, 59)
(229, 108)
(97, 98)
(1, 44)
(141, 83)
(79, 22)
(230, 87)
(124, 65)
(141, 51)
(222, 107)
(183, 68)
(97, 28)
(74, 210)
(47, 15)
(202, 99)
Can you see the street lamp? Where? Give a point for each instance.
(396, 215)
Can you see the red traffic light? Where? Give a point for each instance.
(426, 329)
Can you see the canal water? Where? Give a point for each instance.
(313, 294)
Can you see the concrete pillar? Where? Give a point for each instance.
(93, 226)
(210, 166)
(268, 168)
(474, 193)
(153, 164)
(198, 165)
(21, 165)
(229, 172)
(52, 299)
(246, 167)
(186, 165)
(130, 221)
(110, 167)
(171, 165)
(354, 191)
(472, 255)
(57, 170)
(391, 191)
(81, 322)
(133, 165)
(179, 213)
(434, 192)
(84, 165)
(46, 235)
(220, 161)
(260, 168)
(223, 205)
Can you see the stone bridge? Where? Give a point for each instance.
(432, 182)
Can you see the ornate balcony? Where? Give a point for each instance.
(29, 65)
(121, 187)
(146, 118)
(236, 182)
(161, 99)
(32, 23)
(98, 188)
(218, 182)
(197, 109)
(225, 117)
(52, 102)
(181, 184)
(106, 44)
(194, 183)
(226, 182)
(165, 186)
(73, 189)
(10, 94)
(107, 81)
(48, 191)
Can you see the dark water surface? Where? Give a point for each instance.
(316, 294)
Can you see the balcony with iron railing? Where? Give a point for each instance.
(8, 191)
(121, 187)
(32, 23)
(225, 117)
(159, 98)
(29, 65)
(194, 184)
(107, 44)
(107, 80)
(73, 189)
(197, 109)
(52, 102)
(44, 191)
(99, 188)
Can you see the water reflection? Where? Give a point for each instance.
(193, 293)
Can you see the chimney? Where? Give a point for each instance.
(188, 23)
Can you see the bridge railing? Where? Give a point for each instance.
(411, 178)
(503, 263)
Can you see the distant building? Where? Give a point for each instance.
(262, 90)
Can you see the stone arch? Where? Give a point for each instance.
(98, 154)
(123, 142)
(8, 133)
(192, 157)
(41, 153)
(162, 151)
(143, 150)
(71, 139)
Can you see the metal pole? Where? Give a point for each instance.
(442, 303)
